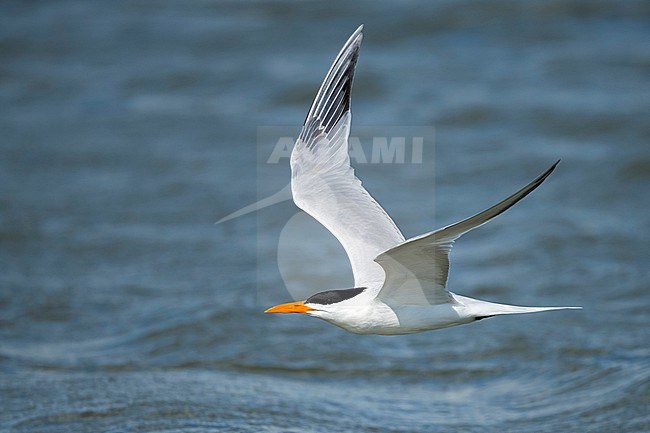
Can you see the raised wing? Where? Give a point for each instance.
(323, 183)
(416, 270)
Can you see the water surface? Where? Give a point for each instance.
(128, 128)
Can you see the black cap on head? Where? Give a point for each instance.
(333, 296)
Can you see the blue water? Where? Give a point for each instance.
(129, 128)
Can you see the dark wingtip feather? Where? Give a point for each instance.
(333, 98)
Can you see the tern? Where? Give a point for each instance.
(400, 286)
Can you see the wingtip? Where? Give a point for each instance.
(357, 35)
(548, 172)
(333, 96)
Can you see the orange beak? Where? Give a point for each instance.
(290, 307)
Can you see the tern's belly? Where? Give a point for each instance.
(405, 319)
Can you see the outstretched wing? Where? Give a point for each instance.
(323, 183)
(416, 270)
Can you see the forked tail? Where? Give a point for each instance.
(482, 309)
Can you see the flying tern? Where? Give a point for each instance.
(400, 285)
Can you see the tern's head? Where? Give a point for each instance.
(326, 305)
